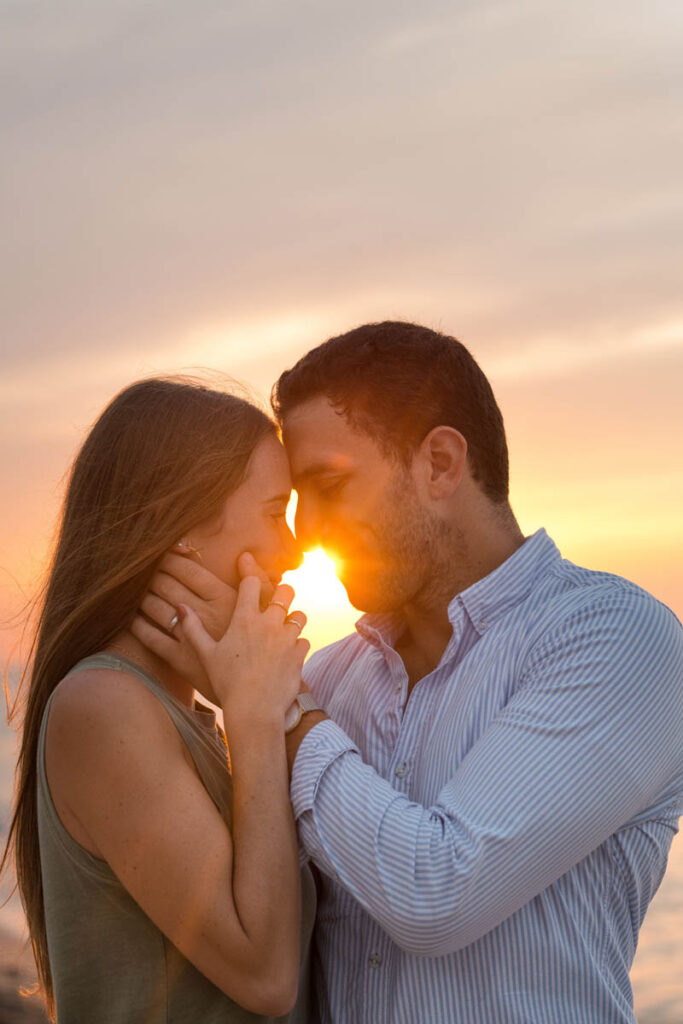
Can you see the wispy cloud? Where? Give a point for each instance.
(227, 184)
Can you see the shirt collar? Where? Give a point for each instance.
(489, 598)
(486, 600)
(381, 629)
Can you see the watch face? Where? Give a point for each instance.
(292, 716)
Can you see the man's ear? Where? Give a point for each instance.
(442, 459)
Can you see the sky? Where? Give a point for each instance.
(224, 185)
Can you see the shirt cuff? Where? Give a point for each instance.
(318, 750)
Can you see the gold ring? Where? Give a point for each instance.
(291, 620)
(172, 624)
(284, 607)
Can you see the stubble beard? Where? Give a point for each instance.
(414, 554)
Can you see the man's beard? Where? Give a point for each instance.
(412, 562)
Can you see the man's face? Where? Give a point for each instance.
(361, 505)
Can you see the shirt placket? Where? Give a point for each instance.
(377, 974)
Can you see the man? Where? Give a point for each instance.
(492, 799)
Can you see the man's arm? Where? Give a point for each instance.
(294, 739)
(591, 739)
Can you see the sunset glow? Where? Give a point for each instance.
(316, 580)
(320, 594)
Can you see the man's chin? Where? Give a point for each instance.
(368, 599)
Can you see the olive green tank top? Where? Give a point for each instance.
(110, 964)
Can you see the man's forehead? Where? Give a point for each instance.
(318, 438)
(316, 410)
(313, 425)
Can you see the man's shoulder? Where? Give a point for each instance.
(571, 589)
(576, 605)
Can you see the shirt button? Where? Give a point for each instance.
(401, 771)
(483, 623)
(374, 960)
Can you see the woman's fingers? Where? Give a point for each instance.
(297, 619)
(302, 648)
(171, 589)
(196, 579)
(180, 581)
(158, 642)
(160, 611)
(248, 566)
(195, 634)
(248, 596)
(283, 595)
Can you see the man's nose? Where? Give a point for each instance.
(309, 533)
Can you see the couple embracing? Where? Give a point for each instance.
(458, 814)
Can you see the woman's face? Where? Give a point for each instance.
(252, 519)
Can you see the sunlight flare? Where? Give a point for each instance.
(316, 583)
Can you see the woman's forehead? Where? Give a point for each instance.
(269, 469)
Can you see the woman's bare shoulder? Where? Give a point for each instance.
(108, 709)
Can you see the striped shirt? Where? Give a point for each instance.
(489, 848)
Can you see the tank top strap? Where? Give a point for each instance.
(198, 729)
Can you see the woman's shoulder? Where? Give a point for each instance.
(105, 707)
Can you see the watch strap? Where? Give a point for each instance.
(302, 703)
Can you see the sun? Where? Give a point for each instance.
(322, 597)
(319, 594)
(316, 583)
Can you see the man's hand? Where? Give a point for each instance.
(180, 580)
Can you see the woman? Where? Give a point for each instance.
(159, 885)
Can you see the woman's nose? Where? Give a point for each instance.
(292, 554)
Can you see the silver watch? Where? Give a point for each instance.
(302, 703)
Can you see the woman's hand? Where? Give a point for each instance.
(181, 580)
(255, 668)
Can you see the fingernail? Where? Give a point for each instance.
(182, 611)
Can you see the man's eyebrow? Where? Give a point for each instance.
(277, 497)
(317, 469)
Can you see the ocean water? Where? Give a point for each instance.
(657, 973)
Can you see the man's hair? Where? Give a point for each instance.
(396, 381)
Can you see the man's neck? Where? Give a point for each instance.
(428, 627)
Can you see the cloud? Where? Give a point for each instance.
(174, 166)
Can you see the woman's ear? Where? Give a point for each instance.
(443, 460)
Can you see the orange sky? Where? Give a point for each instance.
(593, 455)
(226, 185)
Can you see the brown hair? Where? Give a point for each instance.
(163, 456)
(396, 381)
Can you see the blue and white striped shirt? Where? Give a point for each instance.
(489, 848)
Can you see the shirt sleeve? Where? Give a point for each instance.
(590, 740)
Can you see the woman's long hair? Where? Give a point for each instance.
(163, 456)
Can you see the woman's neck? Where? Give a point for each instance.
(127, 645)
